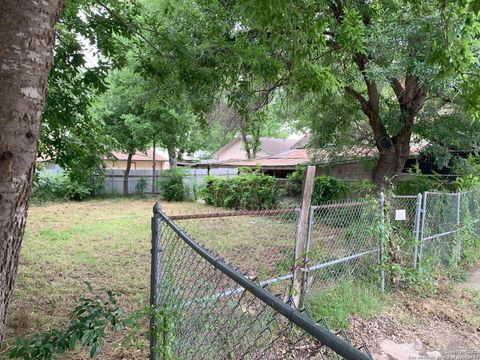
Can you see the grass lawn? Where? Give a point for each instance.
(105, 242)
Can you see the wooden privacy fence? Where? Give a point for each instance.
(194, 178)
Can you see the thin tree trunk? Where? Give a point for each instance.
(127, 174)
(172, 157)
(245, 141)
(27, 39)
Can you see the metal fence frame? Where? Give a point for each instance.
(418, 212)
(311, 327)
(454, 227)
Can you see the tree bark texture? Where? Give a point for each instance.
(172, 157)
(27, 39)
(127, 174)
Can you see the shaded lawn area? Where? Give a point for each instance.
(105, 242)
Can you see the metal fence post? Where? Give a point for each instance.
(381, 206)
(457, 221)
(416, 228)
(422, 227)
(155, 280)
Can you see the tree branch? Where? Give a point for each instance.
(359, 97)
(398, 89)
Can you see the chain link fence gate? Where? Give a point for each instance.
(205, 309)
(440, 222)
(201, 299)
(342, 243)
(405, 213)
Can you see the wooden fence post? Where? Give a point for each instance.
(301, 235)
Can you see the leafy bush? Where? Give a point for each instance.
(467, 182)
(171, 185)
(141, 185)
(295, 179)
(361, 189)
(417, 184)
(250, 190)
(88, 327)
(59, 187)
(325, 188)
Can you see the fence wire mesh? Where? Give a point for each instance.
(258, 242)
(342, 243)
(441, 219)
(205, 314)
(404, 215)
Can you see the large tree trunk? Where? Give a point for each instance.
(27, 38)
(127, 174)
(390, 163)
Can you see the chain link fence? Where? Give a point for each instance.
(439, 244)
(258, 242)
(450, 221)
(404, 213)
(211, 310)
(205, 309)
(342, 243)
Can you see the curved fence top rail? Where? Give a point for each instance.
(326, 337)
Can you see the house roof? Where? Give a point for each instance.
(275, 146)
(139, 156)
(287, 159)
(118, 155)
(291, 158)
(267, 145)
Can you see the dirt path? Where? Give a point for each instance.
(430, 328)
(473, 282)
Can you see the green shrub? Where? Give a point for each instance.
(88, 327)
(360, 189)
(249, 190)
(467, 182)
(417, 184)
(59, 187)
(171, 186)
(295, 180)
(327, 188)
(141, 185)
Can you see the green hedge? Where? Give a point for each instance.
(59, 187)
(328, 188)
(249, 190)
(171, 185)
(325, 188)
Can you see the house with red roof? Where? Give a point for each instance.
(140, 161)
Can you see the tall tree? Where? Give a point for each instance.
(389, 58)
(90, 42)
(121, 111)
(27, 38)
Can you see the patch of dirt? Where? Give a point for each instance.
(419, 326)
(473, 282)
